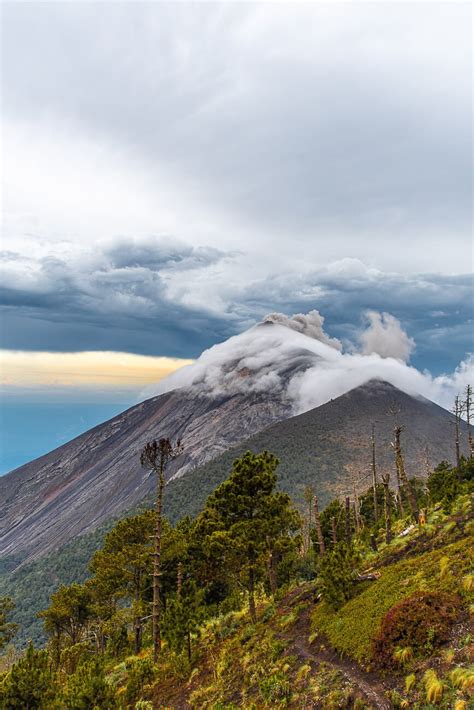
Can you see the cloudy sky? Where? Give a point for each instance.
(174, 171)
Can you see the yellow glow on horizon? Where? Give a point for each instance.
(21, 368)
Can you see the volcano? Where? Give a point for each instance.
(234, 391)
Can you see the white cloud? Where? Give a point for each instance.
(385, 336)
(307, 371)
(243, 126)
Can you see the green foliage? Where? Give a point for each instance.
(419, 622)
(31, 585)
(336, 574)
(245, 519)
(352, 627)
(447, 482)
(69, 611)
(140, 672)
(7, 628)
(88, 688)
(30, 684)
(182, 617)
(275, 688)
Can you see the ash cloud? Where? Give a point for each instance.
(386, 337)
(310, 324)
(280, 357)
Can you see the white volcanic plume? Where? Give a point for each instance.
(294, 358)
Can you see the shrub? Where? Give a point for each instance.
(30, 683)
(410, 681)
(88, 688)
(421, 622)
(140, 671)
(433, 686)
(275, 687)
(336, 574)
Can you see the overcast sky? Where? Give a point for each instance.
(174, 171)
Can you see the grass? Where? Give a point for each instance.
(352, 628)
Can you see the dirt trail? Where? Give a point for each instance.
(368, 683)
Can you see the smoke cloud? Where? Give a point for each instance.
(310, 324)
(294, 359)
(386, 337)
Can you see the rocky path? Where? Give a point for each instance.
(369, 684)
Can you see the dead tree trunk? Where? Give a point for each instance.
(179, 579)
(356, 503)
(317, 523)
(374, 475)
(272, 573)
(468, 405)
(155, 456)
(251, 589)
(334, 531)
(348, 519)
(457, 411)
(156, 605)
(402, 473)
(137, 616)
(387, 507)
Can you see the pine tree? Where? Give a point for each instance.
(122, 568)
(68, 614)
(30, 684)
(7, 628)
(245, 512)
(155, 457)
(336, 574)
(182, 617)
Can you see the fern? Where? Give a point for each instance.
(444, 567)
(468, 583)
(463, 678)
(433, 686)
(403, 655)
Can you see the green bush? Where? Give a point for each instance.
(88, 688)
(336, 573)
(275, 687)
(30, 683)
(420, 622)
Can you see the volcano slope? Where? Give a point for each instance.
(328, 445)
(313, 448)
(75, 488)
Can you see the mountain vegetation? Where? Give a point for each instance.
(80, 486)
(365, 604)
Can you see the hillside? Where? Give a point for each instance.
(314, 447)
(75, 488)
(400, 636)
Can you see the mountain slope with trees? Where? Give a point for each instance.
(313, 449)
(255, 612)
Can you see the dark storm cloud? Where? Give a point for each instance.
(108, 299)
(276, 140)
(435, 309)
(142, 296)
